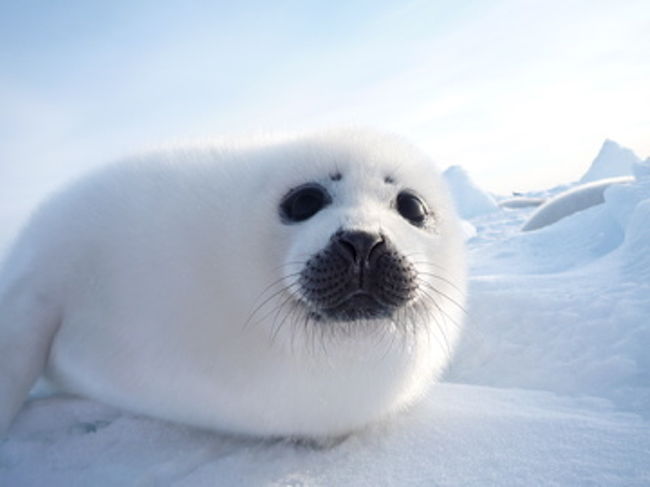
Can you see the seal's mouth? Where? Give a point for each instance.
(357, 276)
(357, 306)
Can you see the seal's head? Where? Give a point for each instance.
(370, 240)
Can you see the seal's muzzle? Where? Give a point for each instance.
(358, 275)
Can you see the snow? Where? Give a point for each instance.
(470, 200)
(459, 435)
(550, 384)
(521, 202)
(571, 201)
(612, 160)
(614, 165)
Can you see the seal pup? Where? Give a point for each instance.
(302, 286)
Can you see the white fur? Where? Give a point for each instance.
(156, 285)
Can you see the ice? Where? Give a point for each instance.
(521, 202)
(613, 166)
(576, 199)
(642, 170)
(572, 305)
(612, 160)
(550, 384)
(470, 200)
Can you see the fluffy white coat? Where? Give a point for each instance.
(159, 285)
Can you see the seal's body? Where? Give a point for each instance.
(302, 286)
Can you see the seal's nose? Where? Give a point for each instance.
(358, 246)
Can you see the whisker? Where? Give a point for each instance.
(441, 310)
(418, 315)
(290, 263)
(443, 279)
(276, 329)
(429, 286)
(440, 326)
(268, 299)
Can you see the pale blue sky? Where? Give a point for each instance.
(519, 92)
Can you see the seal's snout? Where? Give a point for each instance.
(358, 275)
(359, 246)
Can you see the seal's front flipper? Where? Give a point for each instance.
(28, 321)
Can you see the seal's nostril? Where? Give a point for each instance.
(349, 249)
(359, 245)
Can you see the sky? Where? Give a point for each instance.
(521, 93)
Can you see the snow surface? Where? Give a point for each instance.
(550, 385)
(612, 161)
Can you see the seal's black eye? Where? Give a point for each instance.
(411, 207)
(304, 202)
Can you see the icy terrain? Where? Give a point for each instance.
(612, 161)
(550, 385)
(471, 201)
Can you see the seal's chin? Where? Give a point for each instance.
(358, 306)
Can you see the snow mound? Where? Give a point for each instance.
(571, 201)
(631, 207)
(468, 230)
(470, 200)
(565, 308)
(642, 170)
(521, 202)
(612, 160)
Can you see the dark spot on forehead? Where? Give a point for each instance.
(389, 180)
(337, 176)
